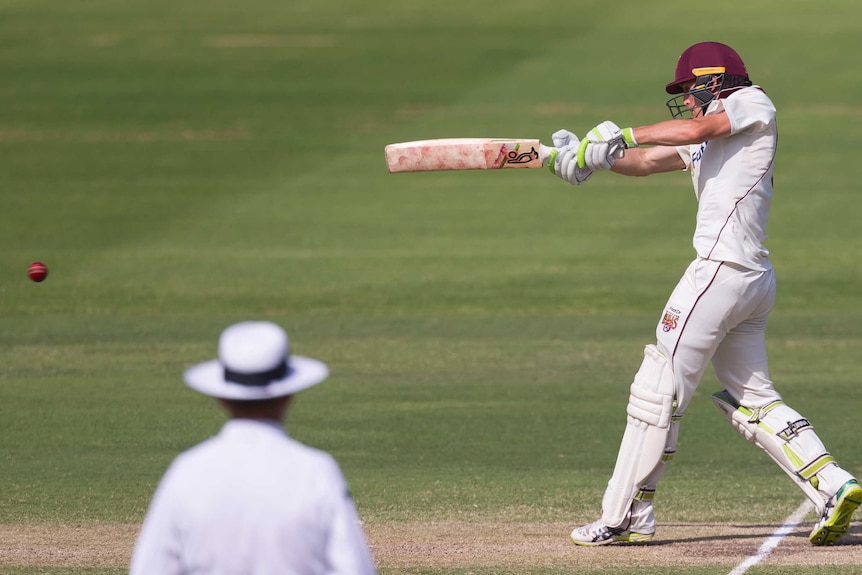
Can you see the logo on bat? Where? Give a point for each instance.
(513, 157)
(507, 156)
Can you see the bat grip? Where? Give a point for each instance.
(545, 153)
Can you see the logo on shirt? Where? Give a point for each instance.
(670, 319)
(698, 155)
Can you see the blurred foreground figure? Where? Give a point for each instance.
(251, 499)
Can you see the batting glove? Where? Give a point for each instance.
(563, 138)
(605, 133)
(599, 156)
(564, 159)
(566, 166)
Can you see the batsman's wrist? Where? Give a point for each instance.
(629, 137)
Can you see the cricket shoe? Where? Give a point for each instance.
(598, 533)
(836, 519)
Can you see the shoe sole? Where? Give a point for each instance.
(625, 538)
(835, 528)
(636, 538)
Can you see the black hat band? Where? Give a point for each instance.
(257, 379)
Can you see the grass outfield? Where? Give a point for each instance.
(180, 168)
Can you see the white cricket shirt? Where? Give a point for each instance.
(732, 179)
(252, 501)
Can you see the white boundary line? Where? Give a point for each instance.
(770, 544)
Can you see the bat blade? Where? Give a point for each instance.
(466, 154)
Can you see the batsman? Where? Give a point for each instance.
(723, 131)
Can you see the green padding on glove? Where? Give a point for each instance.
(582, 148)
(553, 162)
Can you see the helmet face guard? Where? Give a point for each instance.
(709, 84)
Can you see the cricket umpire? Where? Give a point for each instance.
(723, 131)
(251, 499)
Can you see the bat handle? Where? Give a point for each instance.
(548, 156)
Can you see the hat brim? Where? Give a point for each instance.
(208, 378)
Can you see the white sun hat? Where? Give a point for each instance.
(254, 362)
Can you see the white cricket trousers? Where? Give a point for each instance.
(717, 312)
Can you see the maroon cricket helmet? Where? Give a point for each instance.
(703, 59)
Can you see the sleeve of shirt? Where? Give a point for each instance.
(157, 549)
(684, 153)
(749, 109)
(347, 551)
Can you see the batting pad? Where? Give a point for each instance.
(650, 411)
(788, 438)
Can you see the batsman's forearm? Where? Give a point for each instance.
(646, 161)
(632, 164)
(668, 133)
(684, 132)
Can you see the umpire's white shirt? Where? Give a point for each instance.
(252, 501)
(732, 180)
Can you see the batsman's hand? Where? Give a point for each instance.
(565, 162)
(599, 156)
(607, 131)
(610, 142)
(566, 166)
(563, 138)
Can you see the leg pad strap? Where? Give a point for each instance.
(788, 438)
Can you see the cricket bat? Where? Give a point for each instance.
(467, 154)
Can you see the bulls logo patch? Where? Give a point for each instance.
(670, 319)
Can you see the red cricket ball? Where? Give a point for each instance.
(37, 271)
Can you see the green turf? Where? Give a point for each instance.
(180, 168)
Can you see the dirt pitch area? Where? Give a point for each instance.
(464, 545)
